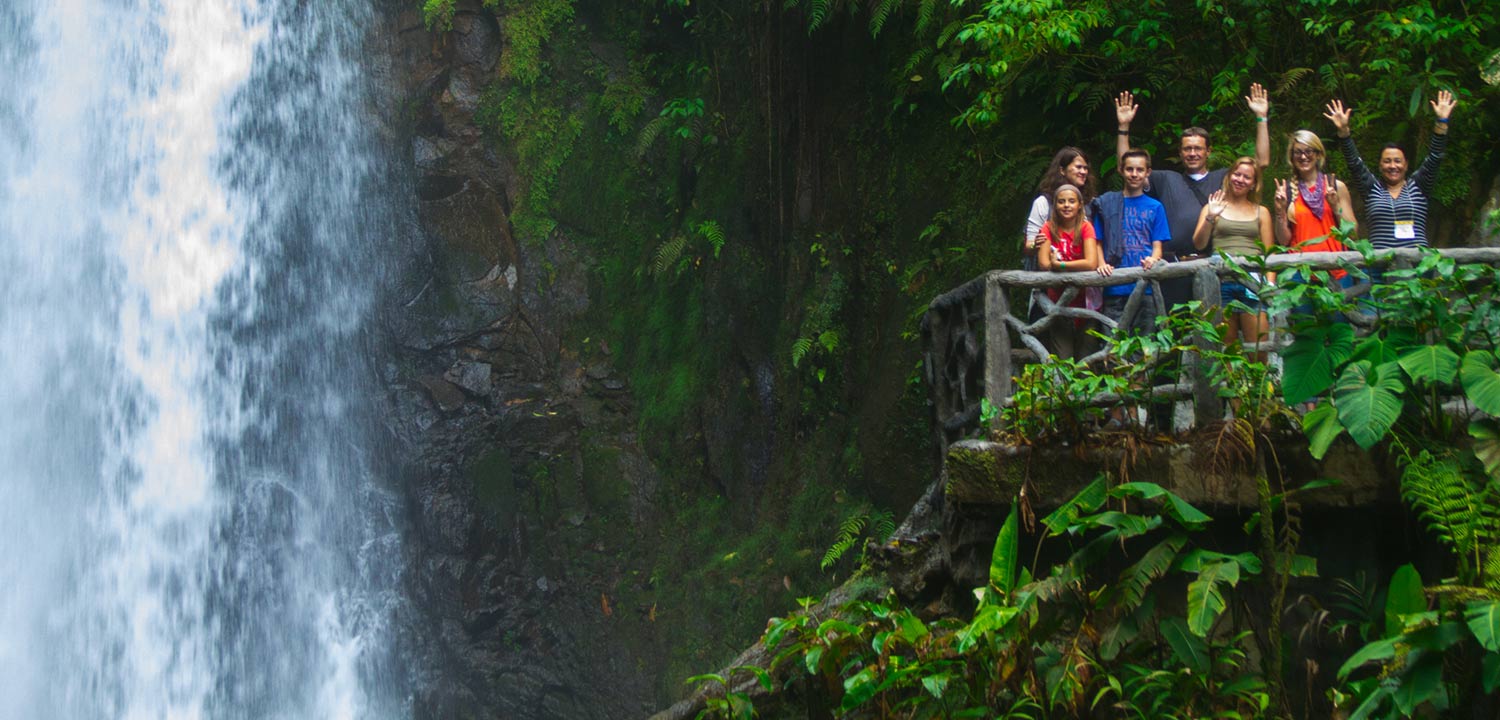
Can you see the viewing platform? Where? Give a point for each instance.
(977, 340)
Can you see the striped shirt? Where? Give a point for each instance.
(1383, 212)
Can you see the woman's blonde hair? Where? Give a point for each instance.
(1255, 168)
(1310, 139)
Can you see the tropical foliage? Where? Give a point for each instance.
(1080, 636)
(782, 186)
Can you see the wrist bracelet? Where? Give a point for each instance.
(1259, 119)
(1443, 120)
(1126, 133)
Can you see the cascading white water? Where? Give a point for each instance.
(190, 522)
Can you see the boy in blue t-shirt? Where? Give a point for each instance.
(1132, 229)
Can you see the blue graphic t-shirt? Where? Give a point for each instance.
(1144, 222)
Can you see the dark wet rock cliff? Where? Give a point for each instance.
(526, 483)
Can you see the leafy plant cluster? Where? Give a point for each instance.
(1415, 382)
(1437, 656)
(1433, 338)
(1080, 637)
(1191, 62)
(1066, 399)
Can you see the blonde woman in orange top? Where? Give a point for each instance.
(1310, 205)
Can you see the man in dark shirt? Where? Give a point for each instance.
(1185, 193)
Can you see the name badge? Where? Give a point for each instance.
(1406, 230)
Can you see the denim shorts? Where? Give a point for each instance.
(1235, 292)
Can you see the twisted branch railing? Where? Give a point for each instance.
(973, 340)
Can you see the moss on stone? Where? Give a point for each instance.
(494, 484)
(604, 486)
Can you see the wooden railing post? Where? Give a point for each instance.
(997, 371)
(1207, 406)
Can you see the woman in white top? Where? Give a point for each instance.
(1069, 166)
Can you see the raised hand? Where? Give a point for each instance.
(1125, 108)
(1216, 205)
(1339, 116)
(1259, 101)
(1283, 195)
(1442, 107)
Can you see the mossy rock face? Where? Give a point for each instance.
(604, 485)
(984, 473)
(495, 486)
(975, 474)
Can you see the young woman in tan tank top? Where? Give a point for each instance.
(1237, 225)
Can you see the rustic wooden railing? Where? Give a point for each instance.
(974, 340)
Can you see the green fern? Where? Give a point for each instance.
(817, 14)
(885, 526)
(918, 57)
(1463, 514)
(925, 13)
(649, 133)
(881, 12)
(799, 350)
(711, 231)
(1290, 78)
(879, 524)
(848, 534)
(668, 253)
(829, 339)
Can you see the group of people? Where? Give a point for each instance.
(1165, 215)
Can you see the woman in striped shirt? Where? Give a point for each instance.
(1395, 204)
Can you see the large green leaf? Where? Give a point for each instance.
(1438, 638)
(1484, 621)
(1205, 598)
(1491, 672)
(1422, 683)
(1368, 398)
(987, 620)
(1309, 362)
(1189, 649)
(1372, 703)
(1136, 579)
(1003, 559)
(1178, 509)
(1403, 597)
(1195, 560)
(1127, 525)
(1434, 364)
(859, 688)
(1087, 500)
(1486, 434)
(1384, 348)
(937, 684)
(813, 659)
(1377, 651)
(1481, 381)
(1299, 565)
(1321, 426)
(1120, 633)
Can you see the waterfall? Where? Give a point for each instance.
(193, 523)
